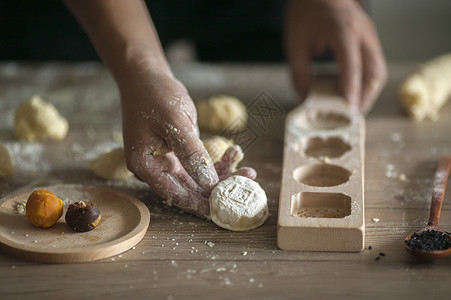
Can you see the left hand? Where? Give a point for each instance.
(342, 26)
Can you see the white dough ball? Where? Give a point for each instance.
(238, 203)
(36, 119)
(111, 165)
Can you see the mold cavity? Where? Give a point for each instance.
(320, 205)
(328, 147)
(322, 120)
(321, 175)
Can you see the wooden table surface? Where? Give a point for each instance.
(175, 259)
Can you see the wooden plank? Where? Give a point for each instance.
(393, 141)
(321, 205)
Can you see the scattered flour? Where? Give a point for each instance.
(89, 152)
(396, 137)
(390, 171)
(28, 157)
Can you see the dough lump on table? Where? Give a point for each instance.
(6, 163)
(36, 119)
(424, 92)
(111, 165)
(220, 113)
(238, 203)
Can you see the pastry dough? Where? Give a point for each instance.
(111, 165)
(428, 89)
(238, 203)
(6, 163)
(39, 120)
(216, 147)
(221, 113)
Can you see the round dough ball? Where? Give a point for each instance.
(111, 165)
(36, 119)
(43, 208)
(220, 113)
(6, 163)
(238, 203)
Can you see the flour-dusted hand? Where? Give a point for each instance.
(342, 27)
(162, 146)
(226, 167)
(161, 142)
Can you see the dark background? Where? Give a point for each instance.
(222, 30)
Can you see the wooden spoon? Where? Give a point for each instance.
(438, 192)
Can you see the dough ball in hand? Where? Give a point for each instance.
(216, 147)
(220, 113)
(111, 165)
(6, 163)
(238, 204)
(37, 120)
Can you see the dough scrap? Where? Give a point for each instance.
(238, 204)
(37, 119)
(216, 147)
(424, 92)
(221, 113)
(6, 163)
(111, 165)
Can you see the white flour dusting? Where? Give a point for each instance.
(88, 152)
(28, 157)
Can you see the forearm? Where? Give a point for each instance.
(123, 34)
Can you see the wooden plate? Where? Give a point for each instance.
(124, 223)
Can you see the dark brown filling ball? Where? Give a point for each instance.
(82, 217)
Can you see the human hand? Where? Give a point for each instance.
(161, 143)
(159, 118)
(314, 26)
(225, 165)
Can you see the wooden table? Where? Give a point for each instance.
(175, 259)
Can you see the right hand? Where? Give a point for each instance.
(342, 26)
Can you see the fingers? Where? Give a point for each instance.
(163, 172)
(228, 163)
(246, 172)
(301, 71)
(374, 74)
(177, 125)
(193, 156)
(347, 51)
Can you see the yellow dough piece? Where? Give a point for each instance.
(424, 92)
(220, 113)
(111, 165)
(216, 147)
(6, 163)
(36, 119)
(43, 208)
